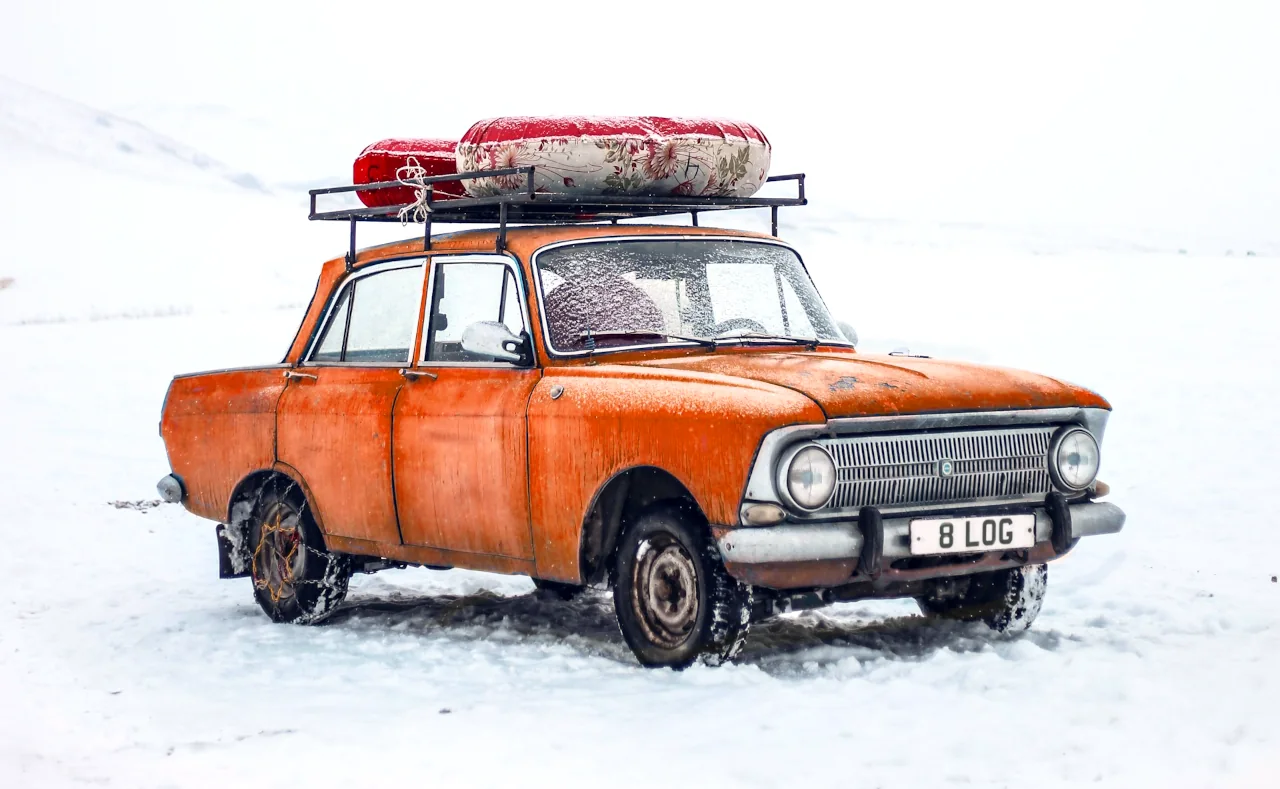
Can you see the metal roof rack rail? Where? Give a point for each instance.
(529, 207)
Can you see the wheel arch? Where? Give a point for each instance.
(240, 504)
(615, 505)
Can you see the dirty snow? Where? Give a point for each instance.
(125, 662)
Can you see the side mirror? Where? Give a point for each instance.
(848, 331)
(490, 338)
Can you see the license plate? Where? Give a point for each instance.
(972, 534)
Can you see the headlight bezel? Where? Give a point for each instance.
(783, 473)
(1055, 446)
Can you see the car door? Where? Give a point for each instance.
(333, 423)
(461, 452)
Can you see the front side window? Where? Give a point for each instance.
(372, 321)
(624, 293)
(465, 293)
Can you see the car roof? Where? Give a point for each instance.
(525, 240)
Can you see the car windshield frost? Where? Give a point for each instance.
(615, 294)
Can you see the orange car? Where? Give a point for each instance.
(667, 410)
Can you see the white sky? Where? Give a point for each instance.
(1157, 115)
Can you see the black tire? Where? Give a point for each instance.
(674, 600)
(556, 590)
(1007, 601)
(295, 579)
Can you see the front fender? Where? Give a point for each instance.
(587, 424)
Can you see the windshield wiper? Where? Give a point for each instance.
(592, 336)
(809, 342)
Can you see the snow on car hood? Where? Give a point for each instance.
(848, 384)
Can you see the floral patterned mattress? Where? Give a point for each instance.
(625, 155)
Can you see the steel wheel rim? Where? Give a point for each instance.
(665, 591)
(279, 558)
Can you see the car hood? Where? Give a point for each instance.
(849, 384)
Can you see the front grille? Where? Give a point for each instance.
(905, 470)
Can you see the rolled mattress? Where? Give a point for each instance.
(623, 155)
(382, 160)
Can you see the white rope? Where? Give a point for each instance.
(412, 175)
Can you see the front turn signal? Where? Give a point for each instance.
(755, 514)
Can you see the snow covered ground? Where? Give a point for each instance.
(125, 662)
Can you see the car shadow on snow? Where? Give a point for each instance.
(817, 638)
(779, 646)
(585, 623)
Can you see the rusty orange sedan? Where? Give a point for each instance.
(667, 411)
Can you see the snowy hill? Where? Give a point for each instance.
(104, 218)
(33, 120)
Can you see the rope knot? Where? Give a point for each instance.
(412, 175)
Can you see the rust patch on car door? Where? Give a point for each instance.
(461, 460)
(335, 430)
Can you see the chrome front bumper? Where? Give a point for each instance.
(844, 539)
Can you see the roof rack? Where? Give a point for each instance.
(529, 207)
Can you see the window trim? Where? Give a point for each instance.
(536, 273)
(522, 296)
(323, 333)
(349, 280)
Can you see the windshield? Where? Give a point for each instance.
(614, 294)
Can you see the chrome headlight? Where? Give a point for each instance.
(1074, 458)
(806, 477)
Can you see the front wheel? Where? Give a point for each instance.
(1007, 601)
(295, 579)
(674, 600)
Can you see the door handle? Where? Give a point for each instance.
(413, 375)
(293, 376)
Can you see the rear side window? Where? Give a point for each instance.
(373, 320)
(330, 347)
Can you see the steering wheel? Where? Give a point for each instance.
(724, 327)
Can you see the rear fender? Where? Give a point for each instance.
(233, 536)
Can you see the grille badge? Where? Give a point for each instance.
(946, 467)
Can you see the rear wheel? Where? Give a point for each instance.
(674, 600)
(1007, 601)
(295, 579)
